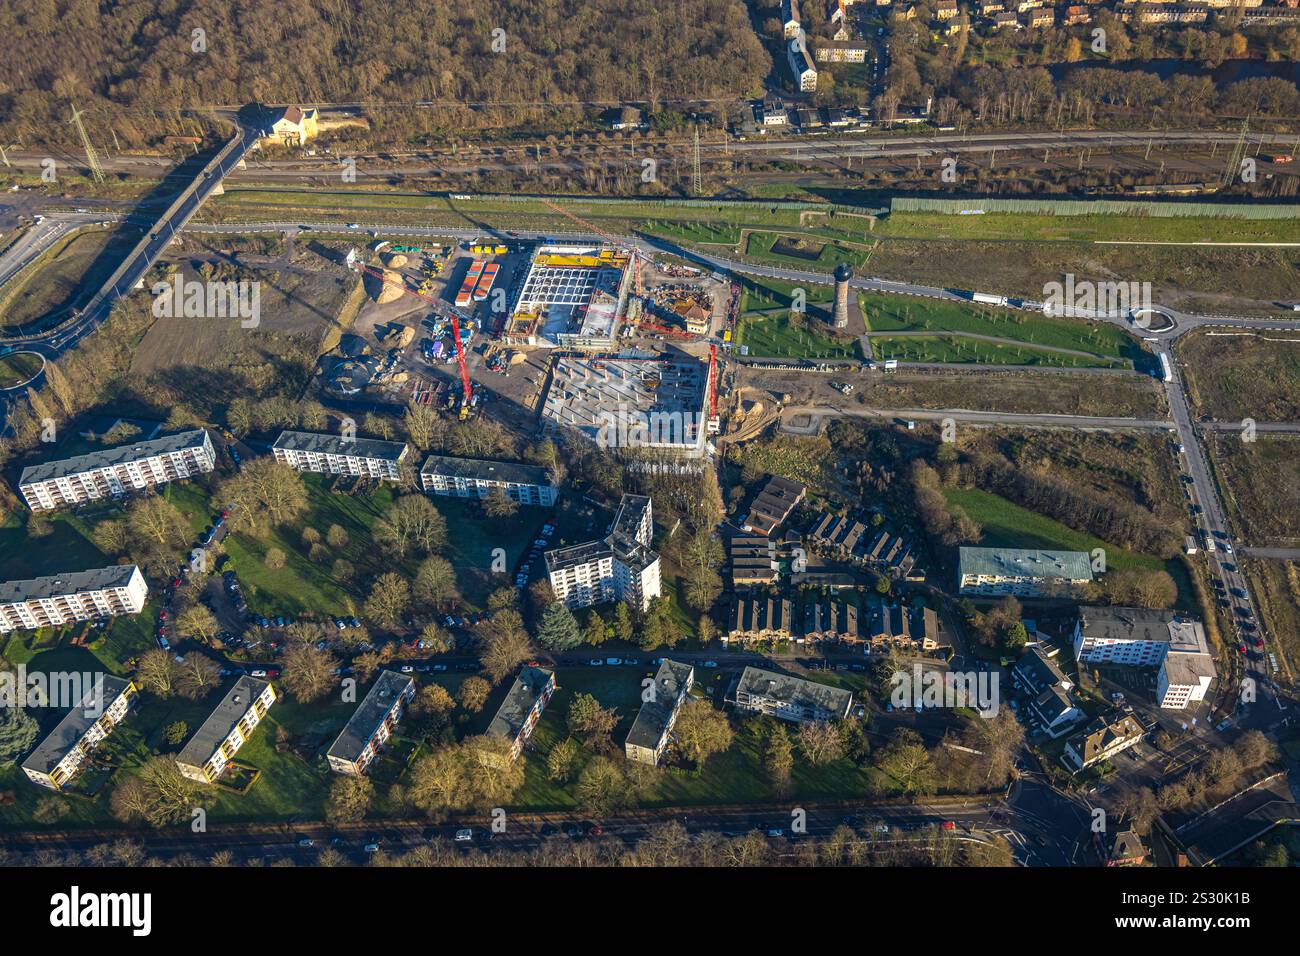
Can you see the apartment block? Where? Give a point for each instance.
(789, 698)
(116, 472)
(1102, 739)
(1022, 572)
(620, 566)
(228, 727)
(1141, 637)
(59, 599)
(60, 756)
(373, 724)
(523, 706)
(653, 727)
(470, 478)
(336, 455)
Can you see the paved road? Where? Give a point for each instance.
(1082, 422)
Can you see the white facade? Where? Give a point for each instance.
(65, 599)
(332, 455)
(206, 757)
(115, 472)
(801, 65)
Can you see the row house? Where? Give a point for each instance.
(116, 472)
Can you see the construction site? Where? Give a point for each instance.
(573, 297)
(663, 403)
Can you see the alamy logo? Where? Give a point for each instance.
(183, 298)
(1074, 300)
(76, 909)
(632, 428)
(58, 689)
(922, 688)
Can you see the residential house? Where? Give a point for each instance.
(293, 126)
(472, 478)
(753, 560)
(1101, 739)
(230, 725)
(773, 505)
(802, 69)
(1022, 572)
(58, 599)
(58, 758)
(789, 698)
(1142, 637)
(337, 455)
(621, 566)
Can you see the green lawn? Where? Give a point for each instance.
(1087, 228)
(963, 349)
(758, 246)
(774, 336)
(900, 313)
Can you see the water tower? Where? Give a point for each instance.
(842, 276)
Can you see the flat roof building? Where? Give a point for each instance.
(1025, 572)
(58, 599)
(229, 726)
(790, 698)
(336, 455)
(522, 707)
(619, 403)
(653, 726)
(118, 471)
(572, 297)
(59, 757)
(1144, 637)
(372, 725)
(621, 566)
(473, 478)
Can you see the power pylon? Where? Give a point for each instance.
(92, 160)
(1233, 167)
(697, 181)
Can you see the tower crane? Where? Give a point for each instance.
(467, 390)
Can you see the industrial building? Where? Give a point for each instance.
(115, 472)
(374, 722)
(214, 745)
(572, 297)
(58, 599)
(59, 757)
(655, 403)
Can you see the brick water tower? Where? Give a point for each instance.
(842, 276)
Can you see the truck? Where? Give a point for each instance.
(891, 364)
(1166, 371)
(988, 299)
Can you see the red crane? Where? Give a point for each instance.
(441, 308)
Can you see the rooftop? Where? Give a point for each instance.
(117, 455)
(506, 471)
(654, 714)
(774, 504)
(1025, 563)
(322, 444)
(521, 697)
(74, 582)
(221, 721)
(1182, 634)
(75, 723)
(794, 690)
(370, 714)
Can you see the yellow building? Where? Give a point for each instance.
(294, 126)
(214, 745)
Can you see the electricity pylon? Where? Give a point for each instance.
(92, 160)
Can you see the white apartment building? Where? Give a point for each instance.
(801, 64)
(58, 758)
(373, 724)
(650, 732)
(336, 455)
(1022, 572)
(471, 478)
(620, 566)
(791, 26)
(1140, 637)
(59, 599)
(228, 727)
(116, 472)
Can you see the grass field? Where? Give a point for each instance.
(69, 273)
(963, 349)
(897, 313)
(1261, 479)
(803, 249)
(773, 336)
(17, 367)
(1248, 375)
(1046, 228)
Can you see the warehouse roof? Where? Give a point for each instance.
(108, 457)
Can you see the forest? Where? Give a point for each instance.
(527, 58)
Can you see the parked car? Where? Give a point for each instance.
(465, 835)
